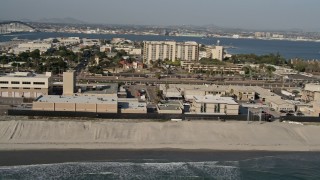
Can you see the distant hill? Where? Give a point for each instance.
(61, 21)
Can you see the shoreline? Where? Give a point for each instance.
(39, 157)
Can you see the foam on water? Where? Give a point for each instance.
(122, 170)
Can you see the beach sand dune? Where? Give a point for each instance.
(45, 134)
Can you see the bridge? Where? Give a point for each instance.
(8, 27)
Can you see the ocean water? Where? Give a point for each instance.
(291, 166)
(288, 49)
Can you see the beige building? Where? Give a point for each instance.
(171, 50)
(69, 82)
(192, 66)
(210, 104)
(316, 108)
(242, 93)
(311, 92)
(215, 52)
(279, 104)
(77, 104)
(25, 84)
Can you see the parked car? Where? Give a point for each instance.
(299, 113)
(289, 114)
(291, 111)
(283, 111)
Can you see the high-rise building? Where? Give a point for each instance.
(215, 52)
(171, 50)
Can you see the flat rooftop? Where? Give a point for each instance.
(214, 99)
(126, 103)
(169, 105)
(78, 99)
(25, 75)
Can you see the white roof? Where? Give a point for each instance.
(79, 99)
(173, 94)
(129, 103)
(214, 99)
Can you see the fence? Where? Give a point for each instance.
(152, 116)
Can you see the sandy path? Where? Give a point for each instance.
(39, 134)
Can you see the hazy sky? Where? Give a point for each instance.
(252, 14)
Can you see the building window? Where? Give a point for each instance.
(26, 88)
(37, 88)
(15, 82)
(4, 87)
(39, 83)
(26, 82)
(15, 88)
(4, 82)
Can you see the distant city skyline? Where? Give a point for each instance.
(246, 14)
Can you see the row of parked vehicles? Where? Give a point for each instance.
(291, 113)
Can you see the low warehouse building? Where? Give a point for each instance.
(127, 105)
(77, 104)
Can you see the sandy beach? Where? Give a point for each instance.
(192, 135)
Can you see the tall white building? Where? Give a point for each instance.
(154, 50)
(215, 52)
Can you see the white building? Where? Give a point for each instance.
(171, 50)
(66, 41)
(90, 42)
(31, 46)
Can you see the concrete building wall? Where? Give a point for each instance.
(64, 107)
(69, 82)
(232, 109)
(86, 107)
(134, 111)
(107, 108)
(43, 106)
